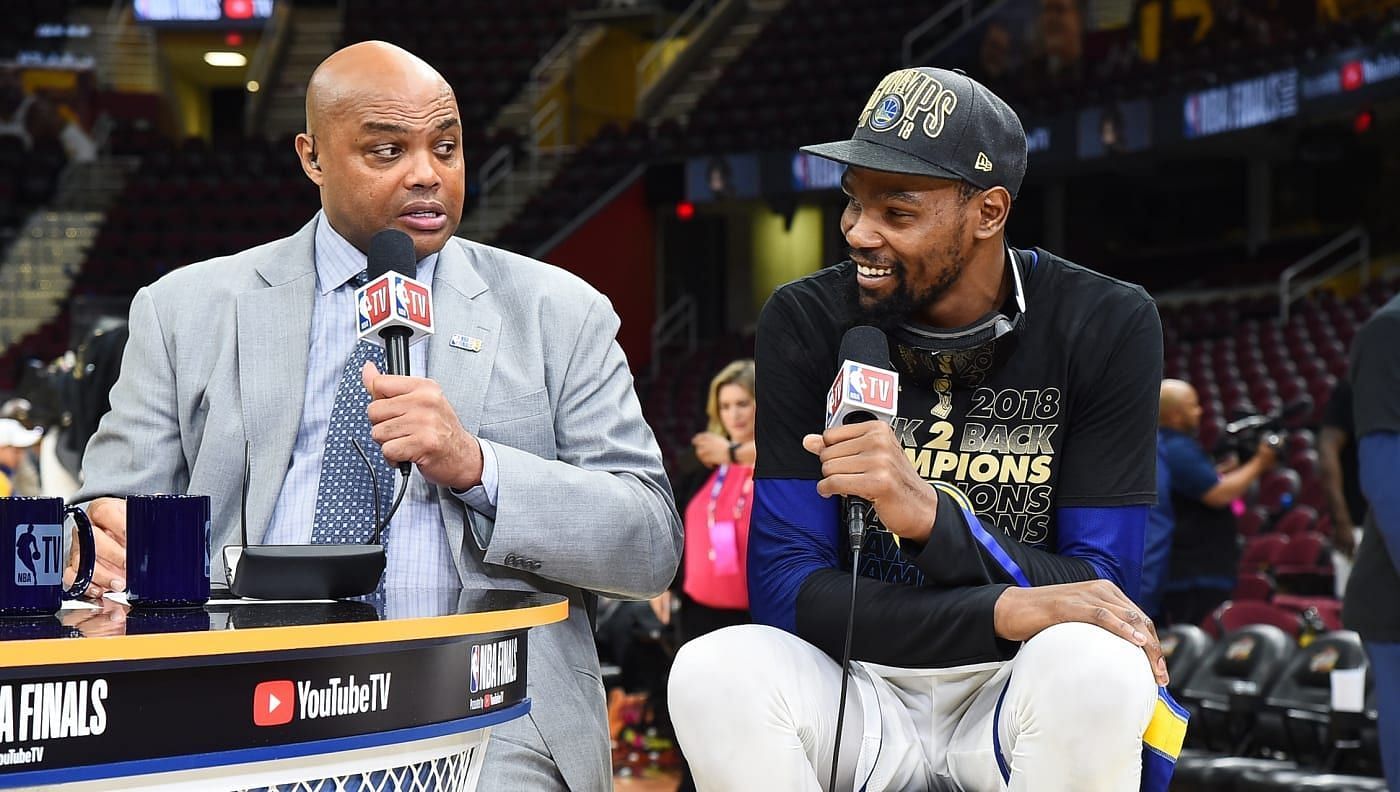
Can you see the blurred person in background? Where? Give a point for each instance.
(1341, 480)
(15, 441)
(1059, 31)
(1374, 588)
(97, 363)
(710, 591)
(24, 116)
(31, 119)
(25, 477)
(994, 54)
(1205, 550)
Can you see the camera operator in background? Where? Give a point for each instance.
(1205, 552)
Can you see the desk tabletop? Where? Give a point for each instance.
(116, 632)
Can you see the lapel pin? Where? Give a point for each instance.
(469, 343)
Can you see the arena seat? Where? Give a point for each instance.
(1252, 521)
(1259, 551)
(1184, 646)
(1278, 489)
(1297, 520)
(1327, 608)
(1224, 694)
(1304, 566)
(1297, 707)
(1253, 586)
(1232, 615)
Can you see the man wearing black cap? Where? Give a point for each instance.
(996, 644)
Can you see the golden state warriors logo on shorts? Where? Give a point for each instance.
(887, 112)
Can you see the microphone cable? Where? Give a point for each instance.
(857, 518)
(379, 524)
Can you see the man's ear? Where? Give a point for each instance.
(306, 152)
(993, 209)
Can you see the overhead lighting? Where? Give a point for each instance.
(232, 60)
(253, 86)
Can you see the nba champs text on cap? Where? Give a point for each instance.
(935, 122)
(906, 100)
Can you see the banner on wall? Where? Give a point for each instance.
(721, 177)
(1241, 105)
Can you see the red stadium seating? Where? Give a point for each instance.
(1254, 586)
(1252, 521)
(1278, 489)
(1297, 520)
(1259, 551)
(1329, 609)
(1231, 616)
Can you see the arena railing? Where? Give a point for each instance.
(1350, 250)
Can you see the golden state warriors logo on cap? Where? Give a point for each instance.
(887, 112)
(906, 100)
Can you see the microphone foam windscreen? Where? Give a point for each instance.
(392, 250)
(865, 344)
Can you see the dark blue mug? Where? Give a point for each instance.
(31, 555)
(167, 551)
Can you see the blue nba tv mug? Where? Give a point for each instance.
(31, 567)
(167, 551)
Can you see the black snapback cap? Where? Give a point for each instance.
(935, 122)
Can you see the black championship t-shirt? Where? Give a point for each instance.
(1374, 585)
(1068, 419)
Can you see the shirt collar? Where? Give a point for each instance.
(337, 261)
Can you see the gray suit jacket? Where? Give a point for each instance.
(218, 354)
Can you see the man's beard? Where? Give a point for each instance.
(904, 303)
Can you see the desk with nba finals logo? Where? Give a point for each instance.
(393, 692)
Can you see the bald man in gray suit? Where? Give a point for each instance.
(533, 468)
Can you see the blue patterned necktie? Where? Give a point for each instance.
(345, 496)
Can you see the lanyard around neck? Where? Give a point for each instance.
(720, 475)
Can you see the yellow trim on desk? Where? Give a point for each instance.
(61, 651)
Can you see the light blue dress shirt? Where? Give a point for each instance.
(418, 551)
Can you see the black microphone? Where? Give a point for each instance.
(391, 250)
(865, 390)
(393, 305)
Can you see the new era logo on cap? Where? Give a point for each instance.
(983, 164)
(273, 702)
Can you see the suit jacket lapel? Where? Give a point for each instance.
(274, 335)
(463, 374)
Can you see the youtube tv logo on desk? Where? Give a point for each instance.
(273, 702)
(143, 712)
(277, 702)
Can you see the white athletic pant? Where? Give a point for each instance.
(754, 708)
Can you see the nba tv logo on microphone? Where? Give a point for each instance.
(862, 388)
(394, 300)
